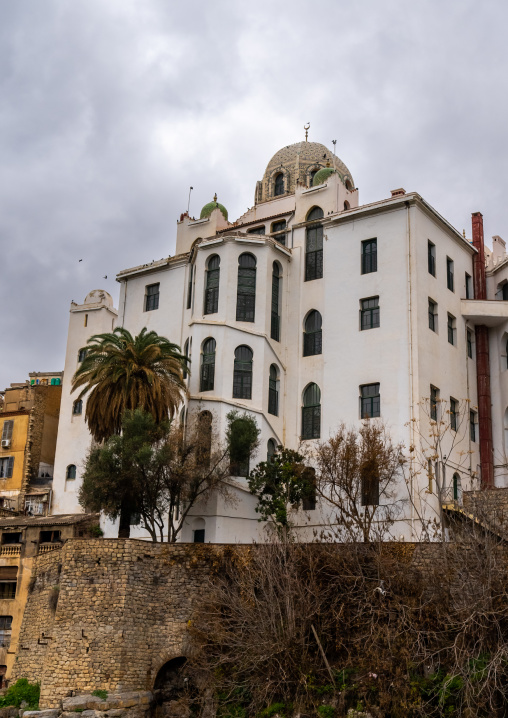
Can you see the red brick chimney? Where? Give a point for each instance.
(482, 359)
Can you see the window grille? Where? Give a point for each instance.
(242, 375)
(311, 412)
(369, 256)
(208, 365)
(312, 336)
(246, 293)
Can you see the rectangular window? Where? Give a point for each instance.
(469, 287)
(434, 399)
(8, 581)
(449, 274)
(246, 294)
(472, 425)
(369, 256)
(432, 315)
(11, 537)
(50, 536)
(370, 487)
(257, 230)
(469, 343)
(189, 289)
(7, 590)
(152, 297)
(314, 253)
(430, 476)
(432, 258)
(199, 535)
(86, 320)
(369, 313)
(370, 401)
(7, 430)
(6, 467)
(451, 329)
(5, 631)
(454, 413)
(82, 355)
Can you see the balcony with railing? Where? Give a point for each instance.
(10, 549)
(47, 547)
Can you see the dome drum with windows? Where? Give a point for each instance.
(306, 163)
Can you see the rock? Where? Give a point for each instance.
(84, 702)
(48, 713)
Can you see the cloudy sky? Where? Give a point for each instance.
(111, 109)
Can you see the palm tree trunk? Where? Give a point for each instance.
(124, 529)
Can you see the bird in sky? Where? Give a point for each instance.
(105, 276)
(80, 260)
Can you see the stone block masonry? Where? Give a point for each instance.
(108, 614)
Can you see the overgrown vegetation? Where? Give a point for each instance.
(22, 692)
(324, 628)
(100, 693)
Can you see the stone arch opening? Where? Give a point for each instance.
(172, 689)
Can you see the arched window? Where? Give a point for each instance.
(346, 205)
(311, 412)
(70, 472)
(314, 246)
(278, 187)
(82, 355)
(312, 174)
(242, 375)
(207, 365)
(312, 335)
(273, 391)
(349, 185)
(246, 292)
(276, 282)
(271, 450)
(212, 285)
(198, 531)
(77, 407)
(204, 451)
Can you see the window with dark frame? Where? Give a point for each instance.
(77, 407)
(207, 377)
(449, 274)
(432, 315)
(454, 413)
(257, 230)
(311, 412)
(50, 537)
(469, 343)
(451, 329)
(5, 631)
(82, 355)
(279, 226)
(242, 373)
(432, 258)
(273, 391)
(312, 335)
(472, 425)
(370, 401)
(434, 399)
(278, 188)
(7, 428)
(369, 256)
(271, 450)
(11, 537)
(212, 285)
(246, 291)
(198, 536)
(505, 291)
(314, 247)
(275, 317)
(152, 297)
(369, 313)
(6, 467)
(189, 287)
(8, 581)
(70, 472)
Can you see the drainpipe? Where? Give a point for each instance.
(482, 360)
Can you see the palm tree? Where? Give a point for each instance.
(124, 372)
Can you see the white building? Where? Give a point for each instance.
(319, 310)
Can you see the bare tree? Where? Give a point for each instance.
(358, 475)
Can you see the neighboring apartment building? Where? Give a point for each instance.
(311, 310)
(22, 538)
(28, 428)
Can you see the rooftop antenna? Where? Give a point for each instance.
(188, 204)
(306, 128)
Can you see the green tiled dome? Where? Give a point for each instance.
(322, 175)
(208, 209)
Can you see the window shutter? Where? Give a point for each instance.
(10, 465)
(8, 573)
(7, 429)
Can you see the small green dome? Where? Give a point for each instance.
(322, 175)
(208, 209)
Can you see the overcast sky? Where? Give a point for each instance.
(111, 109)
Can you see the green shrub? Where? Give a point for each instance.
(282, 709)
(100, 693)
(96, 531)
(326, 711)
(21, 691)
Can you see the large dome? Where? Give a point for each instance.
(299, 163)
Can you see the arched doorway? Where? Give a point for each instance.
(172, 690)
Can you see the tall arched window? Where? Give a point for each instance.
(312, 335)
(212, 285)
(273, 391)
(207, 365)
(70, 472)
(205, 419)
(246, 292)
(271, 449)
(278, 188)
(312, 174)
(311, 412)
(276, 287)
(242, 375)
(314, 246)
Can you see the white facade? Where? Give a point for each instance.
(403, 355)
